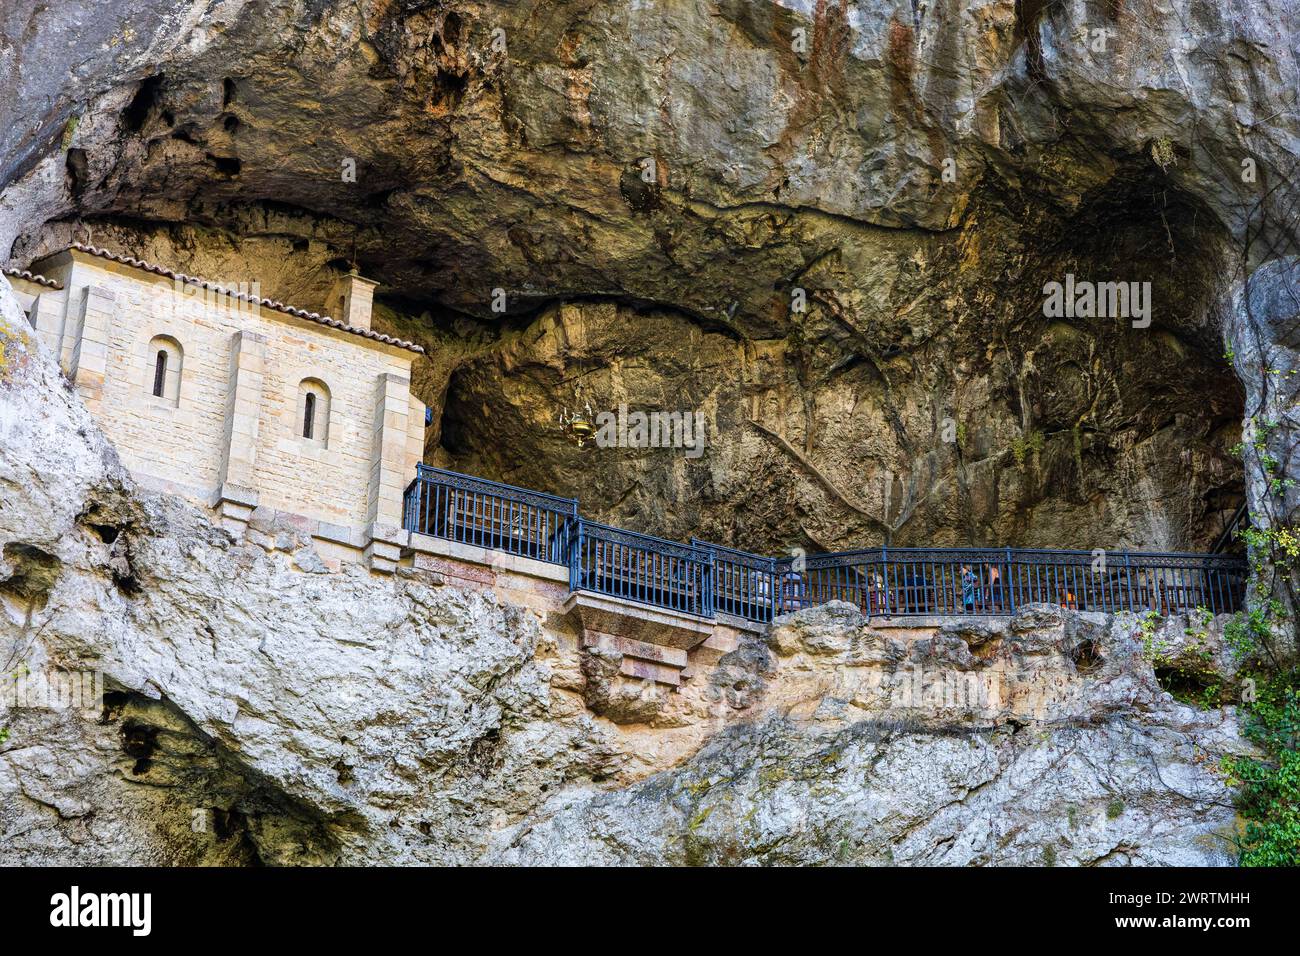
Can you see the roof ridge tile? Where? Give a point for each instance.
(31, 277)
(245, 296)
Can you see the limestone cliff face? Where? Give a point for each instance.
(257, 708)
(1263, 331)
(1127, 441)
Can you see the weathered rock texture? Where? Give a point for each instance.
(1264, 329)
(690, 166)
(256, 709)
(650, 184)
(1045, 436)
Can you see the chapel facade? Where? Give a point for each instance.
(236, 402)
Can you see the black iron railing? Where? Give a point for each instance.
(488, 514)
(744, 584)
(705, 579)
(988, 581)
(642, 568)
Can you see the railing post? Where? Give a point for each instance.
(770, 611)
(709, 583)
(1008, 587)
(574, 556)
(884, 577)
(710, 580)
(1128, 584)
(778, 589)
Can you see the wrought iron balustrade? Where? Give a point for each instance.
(641, 567)
(703, 578)
(488, 514)
(996, 581)
(744, 584)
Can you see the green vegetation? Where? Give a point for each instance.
(1269, 800)
(1189, 675)
(1269, 796)
(14, 670)
(1267, 461)
(1021, 445)
(69, 130)
(1193, 678)
(1269, 785)
(1278, 545)
(1248, 630)
(1153, 648)
(1162, 153)
(697, 820)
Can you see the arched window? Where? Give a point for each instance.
(163, 374)
(160, 373)
(313, 422)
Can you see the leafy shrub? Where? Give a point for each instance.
(1269, 795)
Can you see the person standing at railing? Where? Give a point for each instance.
(994, 578)
(970, 589)
(876, 594)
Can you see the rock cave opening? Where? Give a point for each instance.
(1003, 427)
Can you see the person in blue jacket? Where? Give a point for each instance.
(970, 589)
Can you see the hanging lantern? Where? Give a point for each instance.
(579, 426)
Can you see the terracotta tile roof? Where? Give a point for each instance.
(245, 297)
(32, 277)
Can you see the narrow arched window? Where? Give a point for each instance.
(309, 414)
(160, 373)
(164, 369)
(313, 423)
